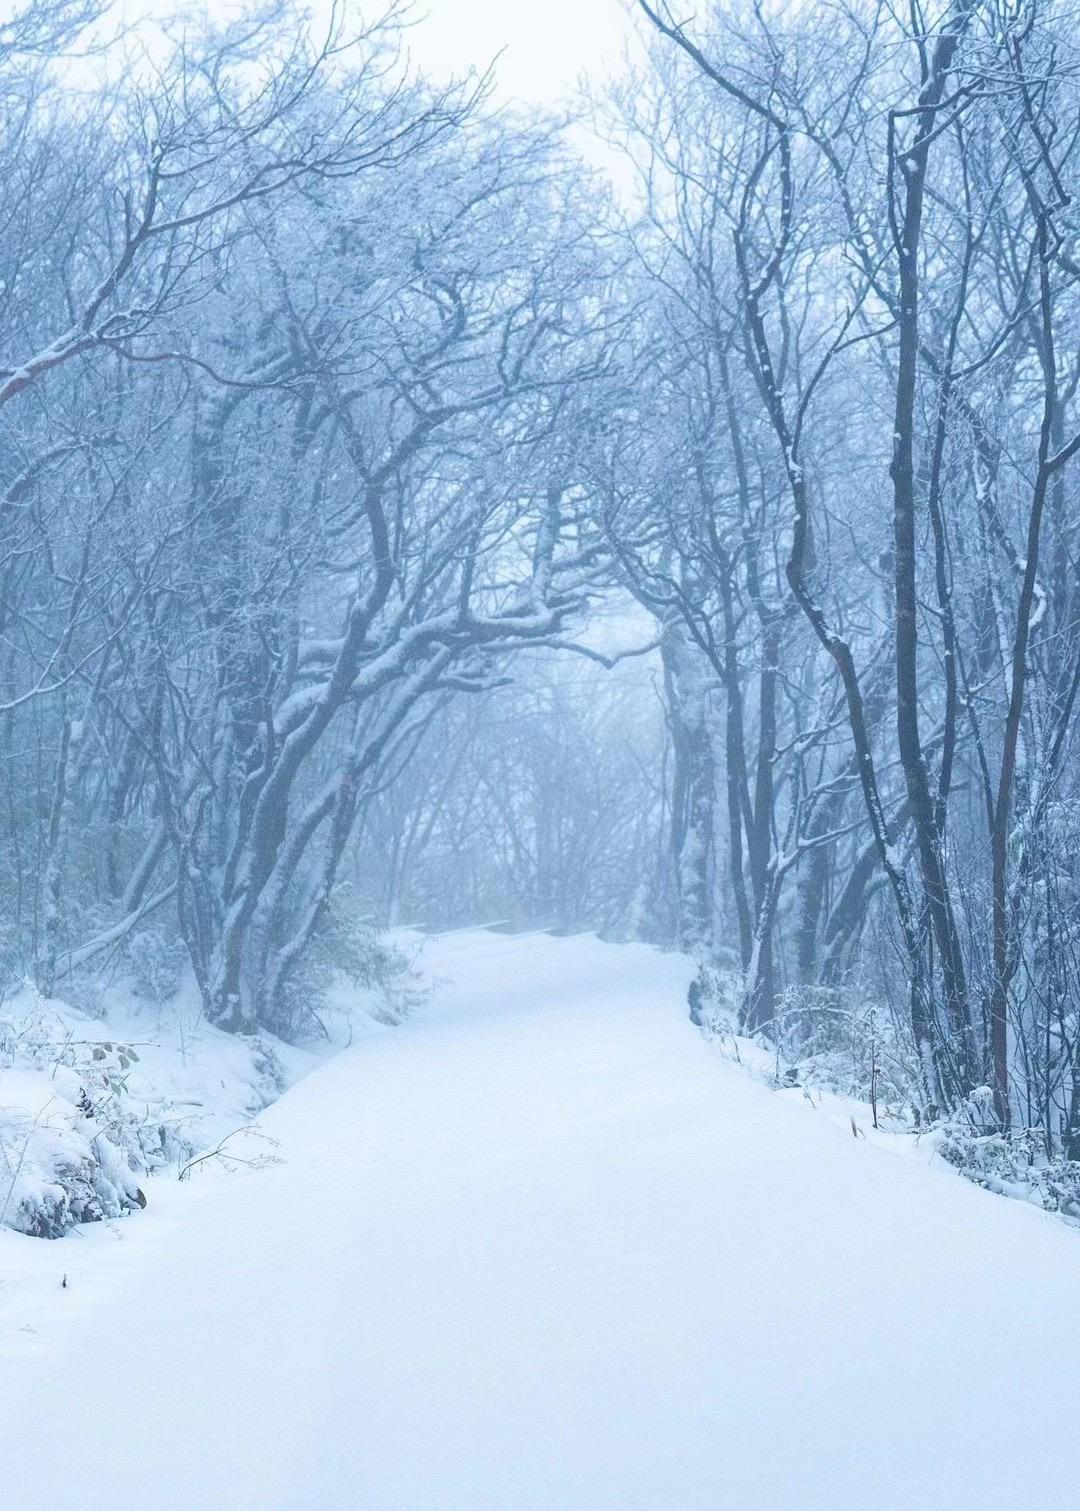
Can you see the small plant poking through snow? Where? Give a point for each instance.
(232, 1152)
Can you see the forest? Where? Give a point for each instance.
(404, 520)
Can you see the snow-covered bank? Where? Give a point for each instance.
(856, 1077)
(92, 1106)
(94, 1103)
(540, 1247)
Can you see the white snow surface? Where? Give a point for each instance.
(542, 1247)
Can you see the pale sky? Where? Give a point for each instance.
(548, 43)
(546, 46)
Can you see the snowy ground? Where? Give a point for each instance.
(541, 1247)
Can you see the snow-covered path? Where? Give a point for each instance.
(541, 1248)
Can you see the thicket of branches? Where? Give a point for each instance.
(290, 343)
(326, 394)
(852, 510)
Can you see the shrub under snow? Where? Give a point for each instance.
(89, 1108)
(95, 1097)
(1012, 1162)
(851, 1058)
